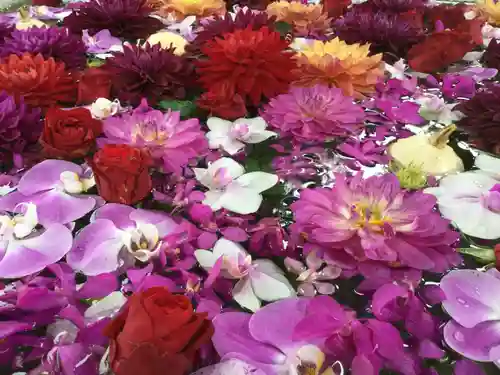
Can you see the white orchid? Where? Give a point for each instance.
(233, 189)
(434, 108)
(259, 280)
(232, 136)
(471, 200)
(397, 70)
(103, 108)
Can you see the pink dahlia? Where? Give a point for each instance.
(315, 113)
(373, 222)
(170, 141)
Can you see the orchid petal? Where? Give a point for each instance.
(230, 367)
(240, 200)
(218, 125)
(268, 281)
(244, 295)
(258, 181)
(106, 307)
(205, 258)
(229, 249)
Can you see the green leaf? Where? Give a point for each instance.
(283, 28)
(95, 63)
(481, 254)
(185, 107)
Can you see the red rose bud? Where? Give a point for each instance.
(158, 333)
(121, 173)
(94, 83)
(69, 134)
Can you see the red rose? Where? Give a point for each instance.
(450, 15)
(94, 83)
(335, 8)
(122, 173)
(223, 103)
(158, 333)
(69, 134)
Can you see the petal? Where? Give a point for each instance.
(106, 307)
(218, 125)
(28, 256)
(235, 234)
(230, 367)
(45, 176)
(471, 297)
(268, 281)
(164, 223)
(229, 249)
(205, 258)
(213, 198)
(8, 328)
(232, 146)
(260, 136)
(258, 181)
(119, 214)
(256, 124)
(99, 286)
(240, 200)
(466, 367)
(234, 169)
(488, 163)
(467, 184)
(244, 295)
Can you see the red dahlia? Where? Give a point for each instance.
(250, 63)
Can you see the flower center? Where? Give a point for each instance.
(238, 269)
(239, 131)
(221, 178)
(149, 132)
(142, 241)
(74, 184)
(19, 226)
(369, 216)
(308, 360)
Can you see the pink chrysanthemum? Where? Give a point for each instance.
(170, 141)
(315, 113)
(374, 222)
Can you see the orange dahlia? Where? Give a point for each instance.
(307, 19)
(338, 64)
(183, 8)
(40, 82)
(249, 63)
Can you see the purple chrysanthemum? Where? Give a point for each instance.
(20, 126)
(6, 27)
(316, 113)
(365, 222)
(386, 32)
(55, 42)
(398, 6)
(170, 141)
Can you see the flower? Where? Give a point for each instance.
(168, 39)
(101, 42)
(491, 56)
(103, 108)
(257, 279)
(480, 119)
(183, 8)
(306, 19)
(231, 136)
(6, 28)
(338, 64)
(137, 345)
(366, 152)
(231, 188)
(55, 42)
(311, 279)
(121, 173)
(223, 102)
(250, 63)
(94, 83)
(118, 235)
(151, 72)
(450, 16)
(491, 10)
(398, 6)
(27, 248)
(335, 8)
(69, 134)
(433, 108)
(47, 84)
(163, 136)
(315, 113)
(56, 187)
(374, 221)
(397, 70)
(20, 127)
(471, 200)
(128, 19)
(472, 303)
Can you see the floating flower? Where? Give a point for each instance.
(164, 136)
(103, 108)
(101, 42)
(397, 70)
(398, 6)
(257, 279)
(374, 221)
(433, 108)
(47, 84)
(149, 72)
(6, 28)
(56, 187)
(491, 56)
(471, 200)
(128, 19)
(183, 8)
(231, 188)
(315, 114)
(338, 64)
(169, 40)
(490, 9)
(118, 235)
(26, 248)
(231, 136)
(55, 42)
(252, 63)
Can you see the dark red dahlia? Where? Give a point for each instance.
(450, 15)
(397, 6)
(254, 64)
(252, 4)
(481, 119)
(149, 72)
(491, 57)
(55, 42)
(6, 27)
(128, 19)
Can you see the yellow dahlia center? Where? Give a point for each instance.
(369, 216)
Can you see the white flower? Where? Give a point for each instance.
(397, 70)
(489, 32)
(433, 108)
(103, 108)
(232, 189)
(232, 136)
(471, 200)
(106, 307)
(258, 279)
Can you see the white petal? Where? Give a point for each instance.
(468, 184)
(268, 282)
(205, 258)
(218, 125)
(230, 249)
(230, 367)
(215, 140)
(232, 146)
(256, 124)
(213, 198)
(244, 295)
(150, 232)
(235, 170)
(258, 137)
(241, 200)
(488, 163)
(258, 181)
(202, 175)
(106, 307)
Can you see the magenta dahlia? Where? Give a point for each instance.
(55, 42)
(317, 113)
(374, 222)
(128, 19)
(149, 72)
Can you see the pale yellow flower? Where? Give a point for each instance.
(169, 39)
(490, 9)
(306, 19)
(183, 8)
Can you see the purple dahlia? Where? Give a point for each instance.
(6, 27)
(20, 126)
(314, 114)
(374, 222)
(170, 141)
(55, 42)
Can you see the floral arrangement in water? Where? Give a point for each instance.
(193, 187)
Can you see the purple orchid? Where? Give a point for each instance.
(101, 42)
(405, 112)
(117, 236)
(57, 189)
(479, 74)
(366, 152)
(453, 85)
